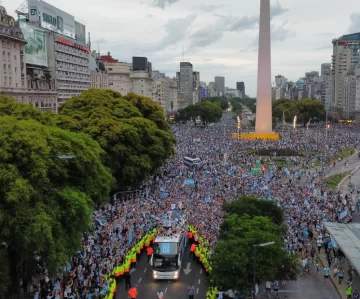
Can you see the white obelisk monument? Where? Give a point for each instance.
(263, 102)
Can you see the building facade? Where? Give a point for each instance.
(98, 74)
(196, 87)
(185, 83)
(220, 85)
(241, 86)
(119, 74)
(325, 69)
(13, 81)
(71, 63)
(345, 55)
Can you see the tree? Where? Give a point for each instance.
(46, 198)
(222, 102)
(232, 263)
(253, 206)
(135, 146)
(12, 107)
(207, 111)
(149, 110)
(304, 110)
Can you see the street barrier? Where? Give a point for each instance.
(130, 258)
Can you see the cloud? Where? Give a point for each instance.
(211, 34)
(354, 23)
(163, 3)
(176, 30)
(149, 16)
(276, 10)
(279, 33)
(208, 8)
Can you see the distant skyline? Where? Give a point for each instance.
(218, 39)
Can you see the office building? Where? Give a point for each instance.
(220, 85)
(196, 86)
(185, 84)
(72, 66)
(119, 74)
(140, 64)
(241, 86)
(345, 55)
(350, 92)
(325, 69)
(280, 80)
(173, 93)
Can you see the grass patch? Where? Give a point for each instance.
(334, 180)
(347, 152)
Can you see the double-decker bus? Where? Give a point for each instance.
(168, 255)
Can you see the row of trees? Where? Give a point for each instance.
(304, 110)
(206, 111)
(54, 169)
(251, 221)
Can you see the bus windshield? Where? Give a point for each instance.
(166, 248)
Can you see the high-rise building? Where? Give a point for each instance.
(173, 92)
(185, 81)
(220, 85)
(119, 74)
(139, 64)
(345, 55)
(325, 69)
(196, 87)
(241, 86)
(280, 80)
(350, 86)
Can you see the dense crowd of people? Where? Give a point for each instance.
(201, 190)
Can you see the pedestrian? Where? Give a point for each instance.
(191, 291)
(356, 295)
(317, 266)
(326, 272)
(127, 281)
(341, 275)
(349, 292)
(160, 295)
(268, 287)
(149, 252)
(133, 292)
(276, 288)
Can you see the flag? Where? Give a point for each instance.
(238, 119)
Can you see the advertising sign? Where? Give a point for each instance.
(36, 47)
(33, 10)
(80, 32)
(57, 20)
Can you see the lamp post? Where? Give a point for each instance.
(256, 246)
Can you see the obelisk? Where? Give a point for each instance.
(263, 101)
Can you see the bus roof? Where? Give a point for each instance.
(170, 239)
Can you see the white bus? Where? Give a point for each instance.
(188, 161)
(168, 255)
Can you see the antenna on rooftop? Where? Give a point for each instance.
(22, 10)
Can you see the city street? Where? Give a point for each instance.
(147, 287)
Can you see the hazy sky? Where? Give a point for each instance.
(218, 37)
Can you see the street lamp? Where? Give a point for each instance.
(256, 246)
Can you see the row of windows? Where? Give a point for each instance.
(71, 75)
(71, 67)
(71, 58)
(71, 50)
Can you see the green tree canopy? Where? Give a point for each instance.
(255, 207)
(304, 110)
(135, 146)
(149, 109)
(207, 111)
(222, 102)
(232, 262)
(12, 107)
(46, 198)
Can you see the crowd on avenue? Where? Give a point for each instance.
(200, 191)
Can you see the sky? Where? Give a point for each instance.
(218, 37)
